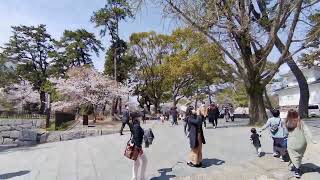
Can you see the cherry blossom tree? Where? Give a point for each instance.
(21, 94)
(86, 86)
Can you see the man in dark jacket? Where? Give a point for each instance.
(174, 113)
(125, 118)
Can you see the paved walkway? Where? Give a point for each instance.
(228, 150)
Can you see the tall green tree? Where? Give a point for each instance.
(125, 61)
(108, 19)
(193, 63)
(74, 49)
(29, 48)
(150, 49)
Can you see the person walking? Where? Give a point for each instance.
(174, 113)
(125, 119)
(298, 138)
(256, 141)
(213, 115)
(278, 133)
(203, 114)
(226, 113)
(196, 139)
(231, 112)
(144, 112)
(137, 139)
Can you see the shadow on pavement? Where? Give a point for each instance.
(25, 148)
(210, 162)
(163, 174)
(14, 174)
(310, 167)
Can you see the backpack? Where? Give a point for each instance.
(148, 137)
(274, 128)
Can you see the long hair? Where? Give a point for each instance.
(293, 120)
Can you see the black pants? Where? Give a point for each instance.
(123, 125)
(204, 121)
(214, 121)
(174, 120)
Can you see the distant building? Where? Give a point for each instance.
(288, 89)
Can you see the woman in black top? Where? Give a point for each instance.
(213, 115)
(196, 139)
(137, 139)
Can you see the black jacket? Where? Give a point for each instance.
(213, 113)
(137, 135)
(194, 126)
(126, 116)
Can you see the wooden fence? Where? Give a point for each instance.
(23, 115)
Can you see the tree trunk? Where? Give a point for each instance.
(156, 105)
(113, 106)
(174, 101)
(268, 102)
(302, 82)
(303, 86)
(257, 111)
(209, 95)
(120, 105)
(42, 102)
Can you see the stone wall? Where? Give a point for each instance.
(21, 131)
(24, 132)
(74, 134)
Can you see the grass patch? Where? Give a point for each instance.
(63, 127)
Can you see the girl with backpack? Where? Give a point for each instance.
(279, 134)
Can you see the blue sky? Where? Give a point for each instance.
(59, 15)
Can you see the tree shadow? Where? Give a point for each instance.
(14, 174)
(163, 174)
(309, 168)
(210, 162)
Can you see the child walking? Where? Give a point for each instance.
(256, 141)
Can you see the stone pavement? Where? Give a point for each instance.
(228, 154)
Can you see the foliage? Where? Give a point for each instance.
(193, 63)
(235, 95)
(311, 58)
(108, 17)
(175, 66)
(118, 62)
(125, 61)
(29, 48)
(74, 49)
(149, 76)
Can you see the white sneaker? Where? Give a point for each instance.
(275, 154)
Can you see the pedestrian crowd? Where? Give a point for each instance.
(290, 136)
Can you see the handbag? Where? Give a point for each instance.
(131, 152)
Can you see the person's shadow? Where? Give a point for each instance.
(163, 174)
(210, 162)
(14, 174)
(310, 167)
